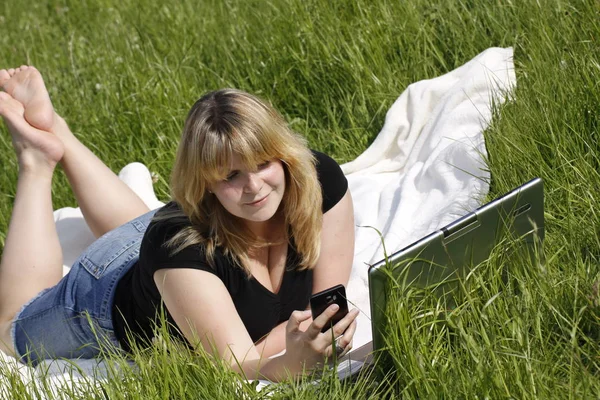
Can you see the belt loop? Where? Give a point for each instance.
(141, 227)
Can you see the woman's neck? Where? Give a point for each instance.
(272, 230)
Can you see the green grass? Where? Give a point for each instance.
(124, 73)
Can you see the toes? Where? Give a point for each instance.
(4, 76)
(4, 99)
(9, 106)
(23, 67)
(11, 71)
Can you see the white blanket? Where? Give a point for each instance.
(425, 168)
(427, 165)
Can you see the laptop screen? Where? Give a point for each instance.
(446, 255)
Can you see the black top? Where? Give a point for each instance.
(137, 301)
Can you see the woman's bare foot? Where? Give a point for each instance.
(25, 84)
(35, 148)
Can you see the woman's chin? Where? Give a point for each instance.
(261, 214)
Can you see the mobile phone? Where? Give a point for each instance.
(334, 295)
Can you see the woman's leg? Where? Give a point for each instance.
(32, 257)
(105, 201)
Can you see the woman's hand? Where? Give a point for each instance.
(307, 349)
(208, 318)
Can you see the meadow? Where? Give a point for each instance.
(124, 74)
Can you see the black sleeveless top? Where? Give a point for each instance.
(137, 303)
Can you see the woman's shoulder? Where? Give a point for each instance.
(333, 181)
(168, 219)
(167, 222)
(169, 208)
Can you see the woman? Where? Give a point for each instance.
(257, 223)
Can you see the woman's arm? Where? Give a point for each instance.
(274, 342)
(204, 312)
(337, 246)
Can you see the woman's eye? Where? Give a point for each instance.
(231, 176)
(264, 165)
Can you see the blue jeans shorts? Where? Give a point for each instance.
(74, 318)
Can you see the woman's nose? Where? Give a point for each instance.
(253, 183)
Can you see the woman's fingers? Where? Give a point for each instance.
(318, 323)
(346, 340)
(343, 344)
(342, 325)
(296, 318)
(311, 345)
(338, 350)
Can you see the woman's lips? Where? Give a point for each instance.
(258, 202)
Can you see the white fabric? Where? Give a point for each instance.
(425, 168)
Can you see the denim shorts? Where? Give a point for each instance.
(74, 318)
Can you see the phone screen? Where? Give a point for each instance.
(334, 295)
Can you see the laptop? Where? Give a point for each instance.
(441, 258)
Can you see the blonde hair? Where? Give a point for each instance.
(227, 122)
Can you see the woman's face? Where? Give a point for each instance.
(254, 195)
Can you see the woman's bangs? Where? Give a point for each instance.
(253, 143)
(255, 147)
(216, 158)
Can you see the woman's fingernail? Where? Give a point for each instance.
(335, 307)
